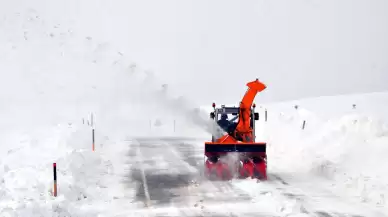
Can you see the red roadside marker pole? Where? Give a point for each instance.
(55, 179)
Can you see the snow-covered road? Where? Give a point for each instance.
(167, 173)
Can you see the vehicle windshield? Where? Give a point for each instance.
(225, 123)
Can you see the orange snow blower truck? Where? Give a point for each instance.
(233, 151)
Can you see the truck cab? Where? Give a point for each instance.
(232, 113)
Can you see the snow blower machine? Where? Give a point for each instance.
(233, 151)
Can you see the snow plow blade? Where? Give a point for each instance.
(226, 161)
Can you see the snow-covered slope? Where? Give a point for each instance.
(51, 78)
(341, 143)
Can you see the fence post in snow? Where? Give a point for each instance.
(304, 124)
(93, 141)
(266, 115)
(92, 124)
(55, 179)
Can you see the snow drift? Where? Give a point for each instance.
(347, 150)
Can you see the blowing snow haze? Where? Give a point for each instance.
(207, 50)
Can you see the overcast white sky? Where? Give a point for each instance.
(299, 48)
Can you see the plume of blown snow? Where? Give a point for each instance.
(158, 95)
(82, 75)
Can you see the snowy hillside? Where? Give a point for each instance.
(52, 78)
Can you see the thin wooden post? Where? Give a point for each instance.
(93, 131)
(93, 141)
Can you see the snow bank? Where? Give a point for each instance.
(348, 150)
(85, 178)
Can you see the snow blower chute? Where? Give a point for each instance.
(233, 151)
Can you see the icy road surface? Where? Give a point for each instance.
(167, 175)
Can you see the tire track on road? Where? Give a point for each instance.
(162, 184)
(184, 189)
(223, 191)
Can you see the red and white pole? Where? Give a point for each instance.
(55, 179)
